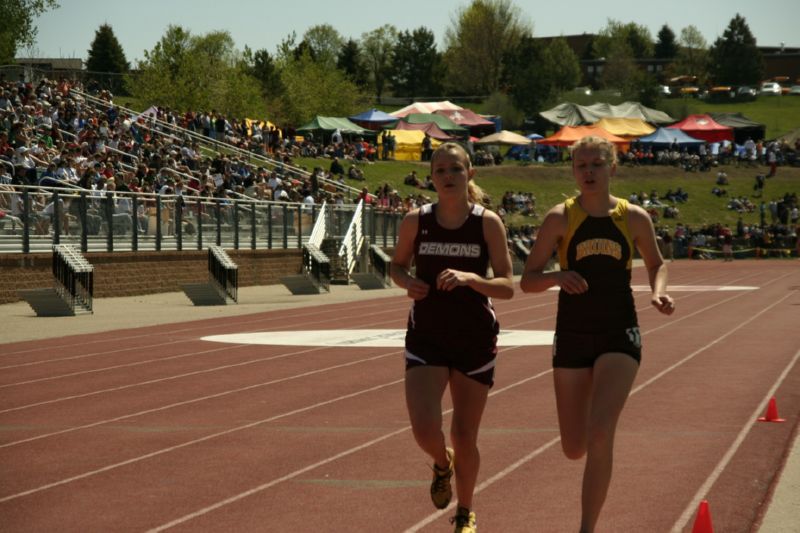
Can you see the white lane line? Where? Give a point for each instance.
(92, 354)
(296, 473)
(157, 360)
(500, 475)
(723, 463)
(114, 367)
(202, 398)
(192, 442)
(247, 426)
(434, 516)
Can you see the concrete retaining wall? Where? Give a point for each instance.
(132, 273)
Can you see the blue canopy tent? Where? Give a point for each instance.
(664, 137)
(532, 152)
(373, 119)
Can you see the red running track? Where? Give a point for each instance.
(154, 429)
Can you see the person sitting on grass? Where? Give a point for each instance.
(355, 173)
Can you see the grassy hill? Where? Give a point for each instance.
(551, 183)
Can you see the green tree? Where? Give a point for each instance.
(482, 34)
(325, 43)
(378, 46)
(622, 45)
(184, 71)
(666, 47)
(312, 89)
(416, 65)
(535, 73)
(501, 104)
(692, 58)
(620, 66)
(106, 61)
(261, 66)
(635, 36)
(735, 57)
(351, 62)
(16, 25)
(286, 49)
(563, 65)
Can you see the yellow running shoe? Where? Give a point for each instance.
(465, 521)
(441, 491)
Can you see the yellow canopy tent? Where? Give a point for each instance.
(265, 125)
(627, 128)
(408, 144)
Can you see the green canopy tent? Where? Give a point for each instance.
(743, 127)
(444, 123)
(325, 126)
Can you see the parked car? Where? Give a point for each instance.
(794, 90)
(721, 92)
(746, 93)
(690, 91)
(770, 88)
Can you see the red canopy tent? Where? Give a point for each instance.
(704, 127)
(568, 135)
(469, 119)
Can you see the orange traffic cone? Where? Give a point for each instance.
(772, 413)
(702, 524)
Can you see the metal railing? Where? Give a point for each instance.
(13, 168)
(107, 221)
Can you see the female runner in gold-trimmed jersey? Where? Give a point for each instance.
(597, 347)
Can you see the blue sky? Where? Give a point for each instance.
(68, 31)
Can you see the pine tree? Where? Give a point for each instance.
(106, 62)
(735, 58)
(666, 47)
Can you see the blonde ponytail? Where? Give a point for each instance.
(475, 193)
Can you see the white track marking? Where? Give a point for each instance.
(202, 398)
(723, 463)
(195, 441)
(254, 490)
(500, 475)
(160, 452)
(288, 314)
(689, 288)
(434, 516)
(365, 338)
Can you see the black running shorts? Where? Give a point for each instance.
(581, 350)
(473, 357)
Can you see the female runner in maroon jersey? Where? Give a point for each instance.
(452, 327)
